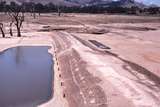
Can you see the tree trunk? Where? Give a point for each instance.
(34, 15)
(18, 32)
(10, 30)
(3, 35)
(59, 12)
(1, 29)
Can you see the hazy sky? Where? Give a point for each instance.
(157, 2)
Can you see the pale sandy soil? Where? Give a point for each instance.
(141, 47)
(126, 75)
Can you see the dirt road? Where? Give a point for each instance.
(94, 78)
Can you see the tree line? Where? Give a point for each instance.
(50, 7)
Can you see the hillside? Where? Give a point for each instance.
(108, 3)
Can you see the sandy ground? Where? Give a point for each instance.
(124, 83)
(100, 60)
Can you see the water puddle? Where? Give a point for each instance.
(25, 76)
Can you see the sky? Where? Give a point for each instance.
(157, 2)
(148, 2)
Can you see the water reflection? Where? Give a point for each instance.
(25, 76)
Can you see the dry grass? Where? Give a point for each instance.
(76, 19)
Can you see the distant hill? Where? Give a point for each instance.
(62, 2)
(126, 3)
(90, 2)
(105, 3)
